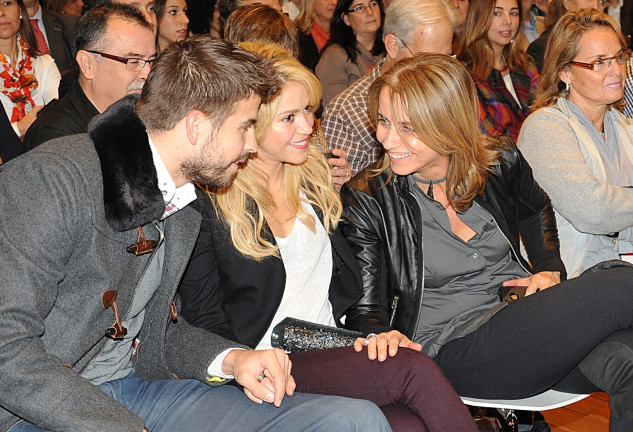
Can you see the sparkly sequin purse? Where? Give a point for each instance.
(293, 335)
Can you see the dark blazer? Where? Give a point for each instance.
(68, 116)
(60, 32)
(236, 297)
(536, 49)
(382, 223)
(10, 144)
(308, 52)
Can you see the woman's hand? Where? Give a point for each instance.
(383, 343)
(341, 170)
(27, 120)
(536, 282)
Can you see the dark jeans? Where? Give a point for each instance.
(410, 388)
(542, 341)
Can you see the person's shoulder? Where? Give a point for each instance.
(354, 95)
(334, 49)
(63, 19)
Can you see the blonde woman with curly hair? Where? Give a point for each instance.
(270, 248)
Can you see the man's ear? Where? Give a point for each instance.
(195, 125)
(87, 64)
(391, 45)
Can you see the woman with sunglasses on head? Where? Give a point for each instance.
(28, 78)
(269, 248)
(435, 227)
(579, 143)
(506, 81)
(354, 48)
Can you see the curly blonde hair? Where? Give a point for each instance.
(243, 204)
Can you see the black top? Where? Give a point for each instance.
(68, 116)
(10, 144)
(308, 52)
(236, 297)
(536, 49)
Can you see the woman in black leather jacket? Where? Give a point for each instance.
(269, 248)
(435, 228)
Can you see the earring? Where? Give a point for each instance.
(567, 87)
(20, 17)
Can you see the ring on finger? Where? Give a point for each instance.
(261, 376)
(370, 335)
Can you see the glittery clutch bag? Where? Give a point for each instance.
(294, 335)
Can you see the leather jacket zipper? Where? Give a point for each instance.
(394, 306)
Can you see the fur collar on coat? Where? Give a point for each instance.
(130, 184)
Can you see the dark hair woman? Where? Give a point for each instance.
(29, 79)
(355, 45)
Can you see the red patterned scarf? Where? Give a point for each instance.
(18, 83)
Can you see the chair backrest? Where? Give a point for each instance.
(550, 399)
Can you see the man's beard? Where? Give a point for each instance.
(216, 174)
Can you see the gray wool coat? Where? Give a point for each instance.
(68, 210)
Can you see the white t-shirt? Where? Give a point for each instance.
(307, 259)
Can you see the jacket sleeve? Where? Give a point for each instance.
(43, 201)
(360, 225)
(590, 205)
(537, 223)
(200, 288)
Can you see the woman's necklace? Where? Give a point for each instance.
(429, 193)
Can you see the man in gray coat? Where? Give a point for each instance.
(95, 233)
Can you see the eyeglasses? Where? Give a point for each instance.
(603, 64)
(131, 63)
(403, 44)
(361, 8)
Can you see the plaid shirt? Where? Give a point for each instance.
(628, 90)
(499, 112)
(346, 124)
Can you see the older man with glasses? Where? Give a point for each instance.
(411, 26)
(115, 49)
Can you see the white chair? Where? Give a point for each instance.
(550, 399)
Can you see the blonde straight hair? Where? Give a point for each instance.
(440, 100)
(242, 205)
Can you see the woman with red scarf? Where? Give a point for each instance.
(28, 79)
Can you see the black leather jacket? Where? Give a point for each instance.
(383, 225)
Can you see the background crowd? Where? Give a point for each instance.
(404, 163)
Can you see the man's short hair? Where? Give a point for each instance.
(206, 74)
(403, 16)
(92, 27)
(261, 23)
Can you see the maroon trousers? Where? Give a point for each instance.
(410, 388)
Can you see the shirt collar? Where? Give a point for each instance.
(175, 198)
(38, 15)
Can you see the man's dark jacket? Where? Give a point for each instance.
(68, 116)
(60, 32)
